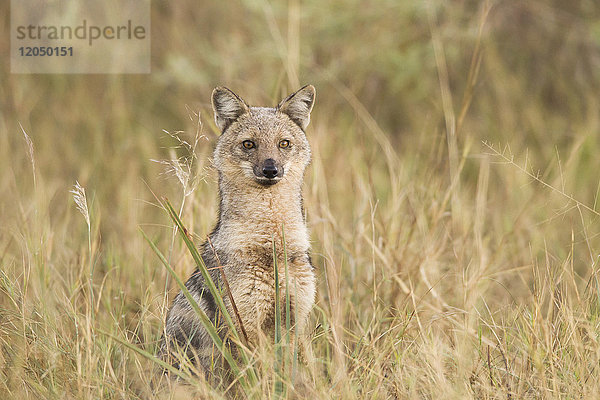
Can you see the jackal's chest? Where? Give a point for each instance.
(255, 291)
(257, 298)
(253, 242)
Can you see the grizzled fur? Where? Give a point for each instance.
(260, 192)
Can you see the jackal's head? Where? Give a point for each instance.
(259, 145)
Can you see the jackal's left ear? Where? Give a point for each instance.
(227, 106)
(298, 105)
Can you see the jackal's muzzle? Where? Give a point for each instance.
(268, 172)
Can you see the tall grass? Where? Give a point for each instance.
(452, 201)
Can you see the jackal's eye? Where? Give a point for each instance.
(248, 144)
(284, 143)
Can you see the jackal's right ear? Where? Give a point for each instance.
(227, 106)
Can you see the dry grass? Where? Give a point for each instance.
(452, 199)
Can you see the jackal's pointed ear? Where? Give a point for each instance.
(298, 105)
(227, 106)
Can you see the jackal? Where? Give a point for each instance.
(260, 157)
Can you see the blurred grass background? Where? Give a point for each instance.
(452, 197)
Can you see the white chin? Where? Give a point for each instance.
(267, 181)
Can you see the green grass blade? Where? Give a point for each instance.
(203, 270)
(277, 305)
(288, 306)
(288, 322)
(186, 377)
(253, 380)
(278, 350)
(296, 339)
(206, 322)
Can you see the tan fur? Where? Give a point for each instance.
(254, 209)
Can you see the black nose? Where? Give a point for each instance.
(269, 169)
